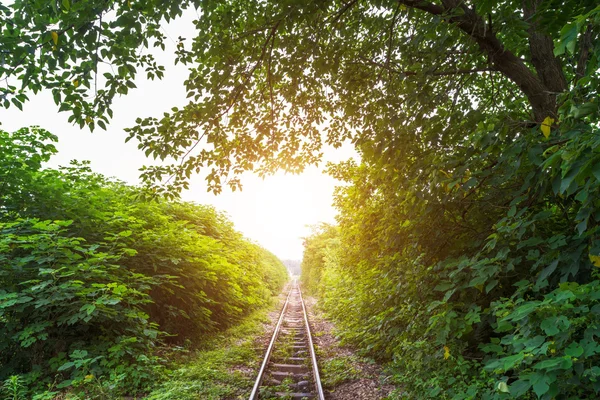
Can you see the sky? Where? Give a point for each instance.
(275, 212)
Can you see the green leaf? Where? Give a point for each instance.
(585, 110)
(519, 387)
(546, 272)
(513, 361)
(554, 363)
(66, 366)
(523, 311)
(79, 354)
(17, 104)
(549, 326)
(568, 179)
(540, 387)
(596, 170)
(574, 350)
(568, 39)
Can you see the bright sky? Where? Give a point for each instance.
(275, 212)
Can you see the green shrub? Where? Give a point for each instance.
(95, 280)
(472, 266)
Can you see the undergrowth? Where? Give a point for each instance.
(100, 288)
(224, 367)
(339, 369)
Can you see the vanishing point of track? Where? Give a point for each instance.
(289, 369)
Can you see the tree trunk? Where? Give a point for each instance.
(540, 89)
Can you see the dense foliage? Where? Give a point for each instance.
(467, 246)
(94, 280)
(85, 52)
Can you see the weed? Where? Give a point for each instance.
(217, 371)
(14, 388)
(337, 370)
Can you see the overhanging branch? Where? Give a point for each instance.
(466, 19)
(428, 73)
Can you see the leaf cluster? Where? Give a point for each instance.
(85, 52)
(466, 253)
(95, 280)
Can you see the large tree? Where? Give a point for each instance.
(271, 81)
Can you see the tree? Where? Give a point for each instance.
(270, 82)
(265, 89)
(85, 52)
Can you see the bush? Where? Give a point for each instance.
(94, 279)
(472, 266)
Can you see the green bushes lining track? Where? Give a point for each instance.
(94, 280)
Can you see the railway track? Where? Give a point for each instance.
(289, 369)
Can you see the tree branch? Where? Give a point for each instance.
(547, 66)
(466, 19)
(584, 53)
(334, 18)
(391, 36)
(429, 73)
(248, 75)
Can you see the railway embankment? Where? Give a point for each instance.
(344, 374)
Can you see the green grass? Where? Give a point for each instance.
(216, 371)
(282, 351)
(337, 370)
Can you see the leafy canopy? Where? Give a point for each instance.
(85, 52)
(271, 82)
(467, 249)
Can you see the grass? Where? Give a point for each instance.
(224, 369)
(269, 392)
(282, 351)
(337, 370)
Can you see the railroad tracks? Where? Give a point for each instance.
(289, 369)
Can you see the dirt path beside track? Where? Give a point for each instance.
(345, 375)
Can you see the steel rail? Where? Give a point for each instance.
(263, 367)
(313, 357)
(319, 394)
